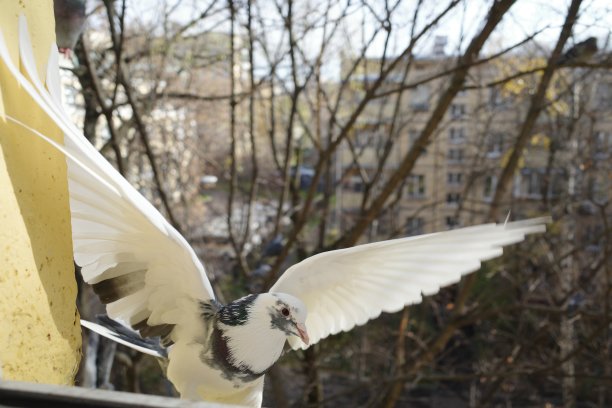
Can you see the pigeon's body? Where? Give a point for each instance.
(195, 380)
(151, 280)
(220, 353)
(203, 367)
(228, 360)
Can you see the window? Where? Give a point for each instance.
(602, 142)
(420, 99)
(356, 184)
(416, 186)
(495, 145)
(452, 199)
(604, 96)
(367, 137)
(457, 110)
(414, 226)
(489, 187)
(456, 135)
(496, 98)
(452, 222)
(530, 183)
(455, 155)
(454, 178)
(534, 184)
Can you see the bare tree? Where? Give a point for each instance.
(331, 123)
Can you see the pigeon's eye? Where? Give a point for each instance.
(285, 311)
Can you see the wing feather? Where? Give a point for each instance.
(348, 287)
(127, 250)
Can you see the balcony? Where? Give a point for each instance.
(23, 394)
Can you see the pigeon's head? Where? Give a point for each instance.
(287, 314)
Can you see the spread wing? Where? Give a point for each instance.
(138, 264)
(348, 287)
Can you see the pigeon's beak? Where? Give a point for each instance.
(301, 328)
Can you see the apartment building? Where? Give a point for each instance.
(452, 184)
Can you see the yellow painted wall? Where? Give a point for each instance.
(40, 337)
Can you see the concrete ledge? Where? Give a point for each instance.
(15, 394)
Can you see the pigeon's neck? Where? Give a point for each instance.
(254, 348)
(254, 344)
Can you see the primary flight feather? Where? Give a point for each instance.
(151, 280)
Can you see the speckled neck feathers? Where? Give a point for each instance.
(245, 343)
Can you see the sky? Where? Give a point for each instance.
(524, 18)
(459, 26)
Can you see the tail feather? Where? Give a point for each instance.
(117, 332)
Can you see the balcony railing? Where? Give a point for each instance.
(23, 394)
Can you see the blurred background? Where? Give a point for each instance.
(270, 130)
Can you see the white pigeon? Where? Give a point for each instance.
(151, 280)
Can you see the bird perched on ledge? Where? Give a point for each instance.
(154, 285)
(580, 52)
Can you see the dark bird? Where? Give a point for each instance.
(69, 23)
(151, 280)
(580, 52)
